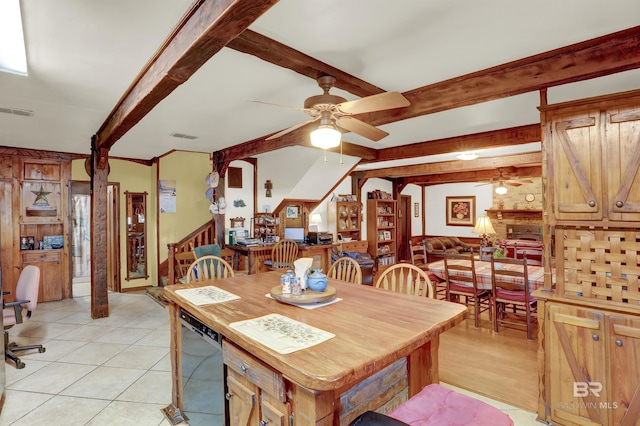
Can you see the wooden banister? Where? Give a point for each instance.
(204, 235)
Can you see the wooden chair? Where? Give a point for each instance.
(510, 289)
(283, 254)
(346, 269)
(486, 253)
(462, 284)
(209, 268)
(534, 256)
(407, 279)
(419, 259)
(183, 261)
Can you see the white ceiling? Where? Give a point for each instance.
(82, 55)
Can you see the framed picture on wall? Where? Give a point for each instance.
(293, 212)
(234, 175)
(461, 211)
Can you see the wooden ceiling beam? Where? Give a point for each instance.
(601, 56)
(471, 176)
(491, 139)
(205, 29)
(276, 53)
(457, 166)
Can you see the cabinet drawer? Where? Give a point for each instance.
(41, 256)
(254, 370)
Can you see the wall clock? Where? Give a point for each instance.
(529, 197)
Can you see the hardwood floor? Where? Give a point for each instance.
(501, 366)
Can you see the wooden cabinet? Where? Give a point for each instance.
(593, 157)
(593, 372)
(256, 392)
(345, 217)
(51, 277)
(382, 220)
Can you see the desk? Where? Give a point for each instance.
(483, 273)
(404, 329)
(256, 255)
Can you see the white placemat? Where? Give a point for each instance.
(311, 305)
(280, 333)
(206, 295)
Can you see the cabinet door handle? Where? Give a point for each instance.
(618, 342)
(228, 395)
(596, 337)
(244, 368)
(592, 203)
(619, 204)
(264, 422)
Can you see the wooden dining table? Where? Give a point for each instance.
(483, 273)
(384, 349)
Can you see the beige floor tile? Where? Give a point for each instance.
(123, 413)
(94, 353)
(79, 318)
(103, 383)
(151, 322)
(18, 403)
(14, 374)
(153, 387)
(522, 418)
(63, 410)
(48, 316)
(52, 378)
(55, 349)
(124, 335)
(135, 356)
(88, 332)
(164, 364)
(48, 331)
(159, 337)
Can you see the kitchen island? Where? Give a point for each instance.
(384, 351)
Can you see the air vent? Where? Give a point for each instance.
(16, 111)
(183, 136)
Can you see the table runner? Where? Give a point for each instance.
(280, 333)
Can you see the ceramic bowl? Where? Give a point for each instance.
(317, 281)
(346, 240)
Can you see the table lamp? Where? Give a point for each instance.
(315, 219)
(484, 227)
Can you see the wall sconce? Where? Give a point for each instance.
(268, 186)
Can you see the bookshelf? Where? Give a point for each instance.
(381, 231)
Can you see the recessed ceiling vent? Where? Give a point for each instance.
(183, 136)
(16, 111)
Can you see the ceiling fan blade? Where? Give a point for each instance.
(290, 129)
(379, 102)
(272, 104)
(483, 184)
(361, 128)
(512, 183)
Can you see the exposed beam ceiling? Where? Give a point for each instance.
(597, 57)
(471, 176)
(458, 166)
(205, 29)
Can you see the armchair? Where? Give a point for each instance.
(14, 312)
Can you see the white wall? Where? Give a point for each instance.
(435, 209)
(299, 173)
(236, 194)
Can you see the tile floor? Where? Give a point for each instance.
(109, 371)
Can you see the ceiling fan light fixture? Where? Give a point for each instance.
(325, 136)
(467, 156)
(501, 189)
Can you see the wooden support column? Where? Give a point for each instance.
(99, 172)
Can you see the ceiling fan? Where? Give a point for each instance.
(506, 181)
(335, 111)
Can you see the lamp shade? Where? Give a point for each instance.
(325, 137)
(483, 226)
(467, 156)
(315, 218)
(501, 189)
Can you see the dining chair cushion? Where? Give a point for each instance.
(438, 405)
(460, 288)
(513, 295)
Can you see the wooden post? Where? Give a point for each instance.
(99, 173)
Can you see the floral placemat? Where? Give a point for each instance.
(281, 334)
(206, 295)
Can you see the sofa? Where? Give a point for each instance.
(437, 246)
